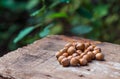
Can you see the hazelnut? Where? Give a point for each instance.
(86, 45)
(71, 50)
(68, 45)
(65, 54)
(82, 54)
(90, 48)
(74, 43)
(93, 45)
(83, 61)
(97, 49)
(99, 56)
(58, 54)
(74, 61)
(65, 62)
(78, 57)
(79, 52)
(75, 54)
(85, 51)
(80, 46)
(60, 58)
(69, 57)
(91, 55)
(87, 57)
(63, 50)
(95, 52)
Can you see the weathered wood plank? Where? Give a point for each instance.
(37, 61)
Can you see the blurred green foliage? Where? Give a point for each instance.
(24, 21)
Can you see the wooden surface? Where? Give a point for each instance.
(38, 61)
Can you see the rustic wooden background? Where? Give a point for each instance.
(38, 61)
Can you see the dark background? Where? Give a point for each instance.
(24, 21)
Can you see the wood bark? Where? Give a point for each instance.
(38, 61)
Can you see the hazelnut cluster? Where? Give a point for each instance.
(77, 53)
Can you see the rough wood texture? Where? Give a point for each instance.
(37, 61)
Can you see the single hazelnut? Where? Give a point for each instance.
(90, 48)
(74, 61)
(87, 57)
(86, 45)
(65, 54)
(74, 43)
(93, 45)
(99, 56)
(95, 52)
(60, 58)
(69, 57)
(78, 57)
(82, 54)
(63, 50)
(71, 50)
(79, 51)
(65, 62)
(97, 49)
(75, 54)
(85, 51)
(80, 46)
(91, 55)
(68, 45)
(58, 54)
(83, 62)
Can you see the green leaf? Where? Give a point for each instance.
(7, 3)
(58, 15)
(78, 30)
(46, 30)
(65, 1)
(75, 4)
(56, 29)
(85, 13)
(44, 33)
(111, 19)
(31, 4)
(39, 12)
(23, 33)
(100, 11)
(54, 4)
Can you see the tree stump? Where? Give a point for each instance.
(38, 61)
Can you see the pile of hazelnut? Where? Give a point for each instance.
(78, 54)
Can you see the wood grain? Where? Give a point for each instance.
(38, 61)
